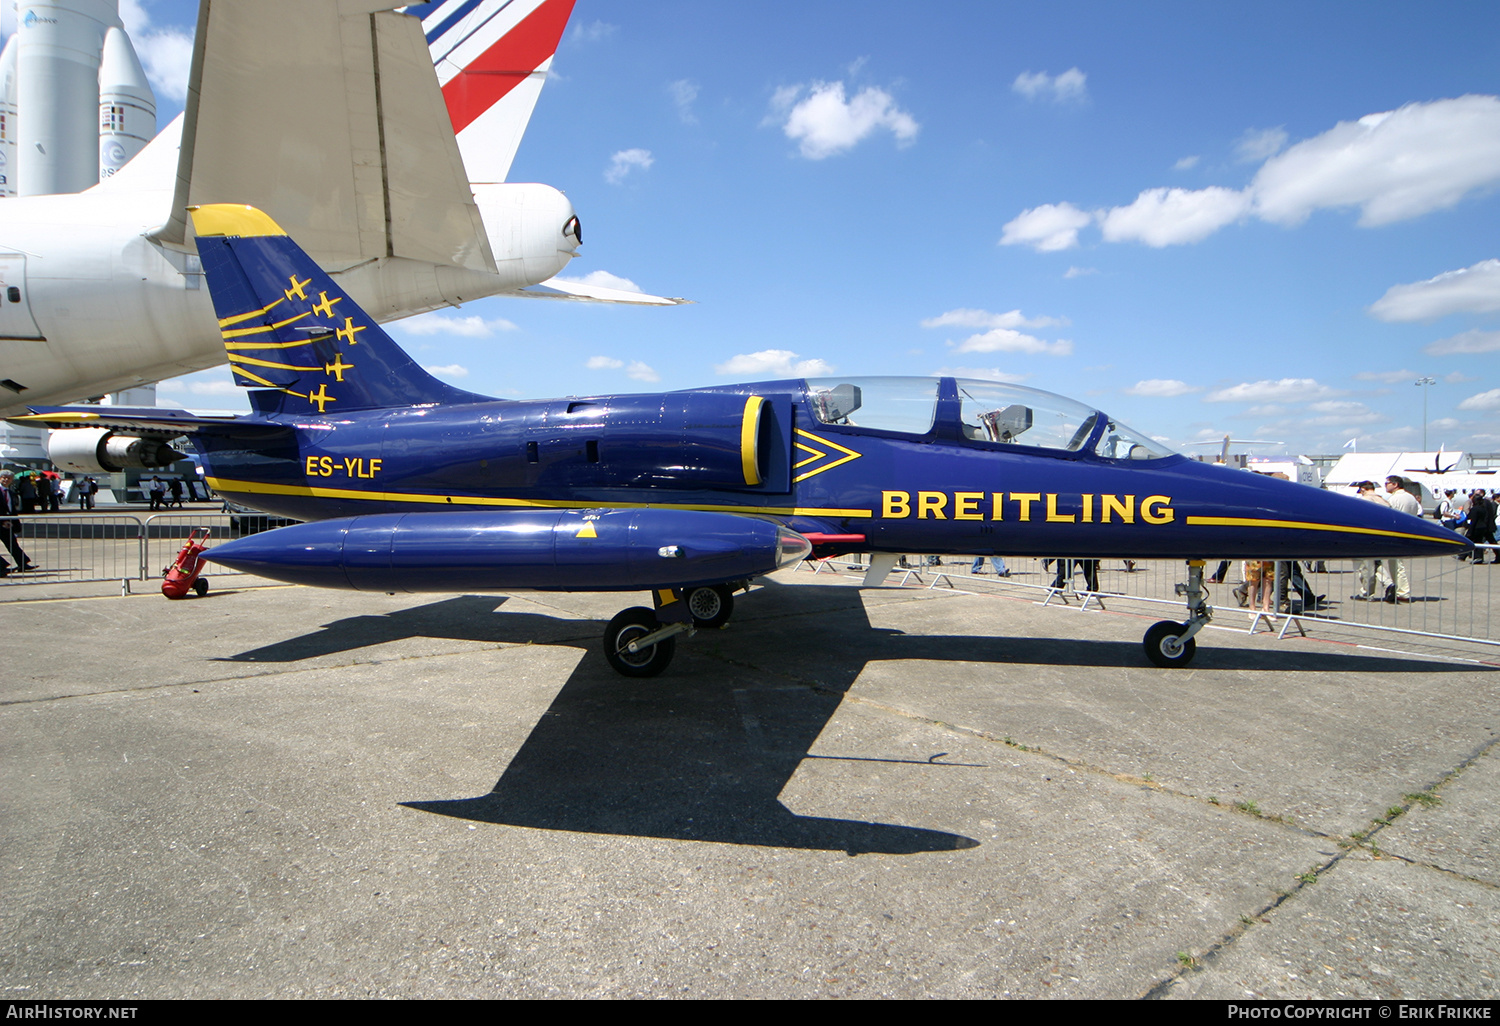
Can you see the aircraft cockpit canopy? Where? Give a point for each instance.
(990, 413)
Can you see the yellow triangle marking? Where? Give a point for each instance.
(588, 530)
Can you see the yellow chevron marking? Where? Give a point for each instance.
(1304, 526)
(219, 484)
(849, 454)
(240, 332)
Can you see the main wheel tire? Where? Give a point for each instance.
(627, 626)
(711, 607)
(1163, 647)
(201, 587)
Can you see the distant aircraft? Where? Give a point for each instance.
(414, 485)
(328, 113)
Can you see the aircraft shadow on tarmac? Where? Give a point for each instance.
(704, 751)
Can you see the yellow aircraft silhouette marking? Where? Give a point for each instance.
(298, 289)
(324, 305)
(321, 397)
(349, 330)
(337, 367)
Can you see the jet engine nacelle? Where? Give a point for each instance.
(533, 229)
(539, 550)
(102, 451)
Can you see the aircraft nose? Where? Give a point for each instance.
(1263, 517)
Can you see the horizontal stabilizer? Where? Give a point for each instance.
(557, 288)
(141, 420)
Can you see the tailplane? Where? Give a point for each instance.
(291, 329)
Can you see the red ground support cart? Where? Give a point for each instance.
(182, 575)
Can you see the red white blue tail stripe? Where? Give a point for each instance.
(492, 58)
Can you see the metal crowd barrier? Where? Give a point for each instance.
(1446, 599)
(120, 547)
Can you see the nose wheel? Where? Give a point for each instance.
(1170, 644)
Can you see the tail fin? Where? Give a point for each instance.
(289, 327)
(491, 58)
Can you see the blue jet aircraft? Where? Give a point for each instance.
(410, 484)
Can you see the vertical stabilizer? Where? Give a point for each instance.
(492, 58)
(287, 326)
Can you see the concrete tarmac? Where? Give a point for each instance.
(281, 792)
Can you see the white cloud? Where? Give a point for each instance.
(166, 53)
(781, 363)
(452, 370)
(463, 327)
(200, 387)
(1393, 166)
(1458, 378)
(594, 31)
(982, 373)
(1047, 228)
(1164, 388)
(1389, 377)
(826, 123)
(1287, 390)
(683, 93)
(1464, 343)
(1079, 272)
(1069, 87)
(1186, 164)
(1483, 401)
(626, 161)
(967, 318)
(1008, 340)
(1168, 217)
(604, 280)
(637, 370)
(1446, 423)
(1473, 289)
(1256, 145)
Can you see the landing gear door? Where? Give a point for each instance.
(16, 321)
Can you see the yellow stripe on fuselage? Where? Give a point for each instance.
(1299, 525)
(258, 488)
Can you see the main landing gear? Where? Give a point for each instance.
(640, 642)
(1170, 644)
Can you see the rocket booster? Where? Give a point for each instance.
(127, 107)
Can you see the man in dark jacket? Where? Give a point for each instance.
(1481, 528)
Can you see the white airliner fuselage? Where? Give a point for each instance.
(90, 303)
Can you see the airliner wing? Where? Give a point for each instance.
(146, 421)
(560, 288)
(327, 115)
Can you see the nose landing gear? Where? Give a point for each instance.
(1170, 644)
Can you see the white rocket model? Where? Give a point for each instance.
(75, 101)
(127, 107)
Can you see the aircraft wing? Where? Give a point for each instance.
(146, 421)
(558, 288)
(341, 95)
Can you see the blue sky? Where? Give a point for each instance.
(1191, 215)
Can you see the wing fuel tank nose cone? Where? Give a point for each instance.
(311, 554)
(545, 550)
